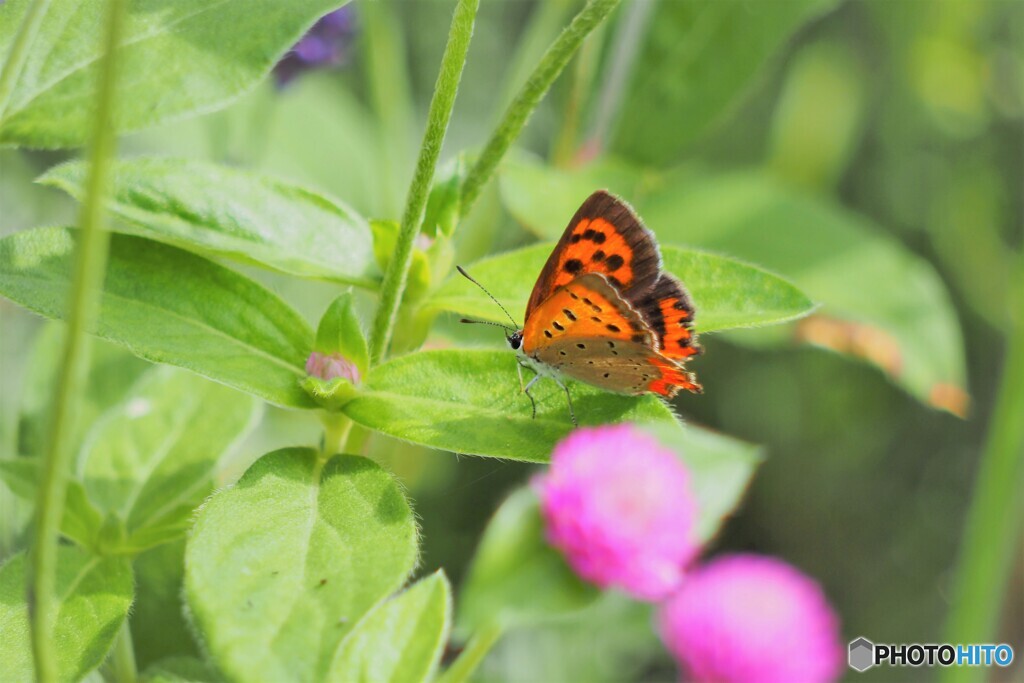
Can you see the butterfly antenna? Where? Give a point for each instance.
(487, 322)
(515, 326)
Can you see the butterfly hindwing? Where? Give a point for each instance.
(668, 310)
(605, 237)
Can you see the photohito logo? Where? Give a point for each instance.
(863, 654)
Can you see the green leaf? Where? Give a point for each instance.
(169, 306)
(214, 209)
(697, 60)
(280, 567)
(726, 292)
(179, 59)
(151, 460)
(159, 628)
(516, 578)
(94, 595)
(400, 640)
(341, 332)
(385, 242)
(880, 302)
(82, 521)
(469, 401)
(444, 203)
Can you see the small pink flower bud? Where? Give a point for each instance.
(329, 366)
(619, 508)
(752, 619)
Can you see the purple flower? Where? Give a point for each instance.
(329, 366)
(619, 508)
(752, 619)
(325, 44)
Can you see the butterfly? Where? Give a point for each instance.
(604, 312)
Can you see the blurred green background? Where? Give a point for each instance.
(873, 151)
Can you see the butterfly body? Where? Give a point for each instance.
(603, 312)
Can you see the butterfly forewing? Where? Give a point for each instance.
(605, 237)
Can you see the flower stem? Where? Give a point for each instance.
(90, 264)
(479, 645)
(123, 664)
(336, 430)
(991, 534)
(540, 81)
(447, 86)
(19, 51)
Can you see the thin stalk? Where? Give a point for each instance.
(540, 81)
(992, 530)
(388, 79)
(477, 648)
(563, 150)
(447, 86)
(90, 264)
(123, 664)
(20, 50)
(336, 430)
(626, 44)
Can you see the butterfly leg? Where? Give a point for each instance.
(568, 397)
(526, 390)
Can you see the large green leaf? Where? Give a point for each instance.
(879, 301)
(280, 567)
(516, 578)
(176, 58)
(726, 292)
(151, 460)
(209, 208)
(94, 593)
(169, 306)
(469, 401)
(400, 640)
(697, 60)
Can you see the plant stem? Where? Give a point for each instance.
(19, 51)
(90, 264)
(517, 114)
(991, 533)
(124, 668)
(479, 645)
(447, 86)
(563, 149)
(336, 430)
(625, 49)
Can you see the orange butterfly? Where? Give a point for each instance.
(603, 312)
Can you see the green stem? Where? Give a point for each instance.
(388, 79)
(123, 664)
(90, 264)
(19, 51)
(447, 86)
(479, 645)
(564, 147)
(518, 113)
(992, 530)
(336, 430)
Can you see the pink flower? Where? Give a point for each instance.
(619, 508)
(329, 366)
(752, 619)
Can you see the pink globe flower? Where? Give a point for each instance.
(328, 366)
(619, 508)
(752, 619)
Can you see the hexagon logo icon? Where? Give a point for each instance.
(862, 654)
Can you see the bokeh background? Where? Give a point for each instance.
(871, 150)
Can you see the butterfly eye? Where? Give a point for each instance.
(515, 339)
